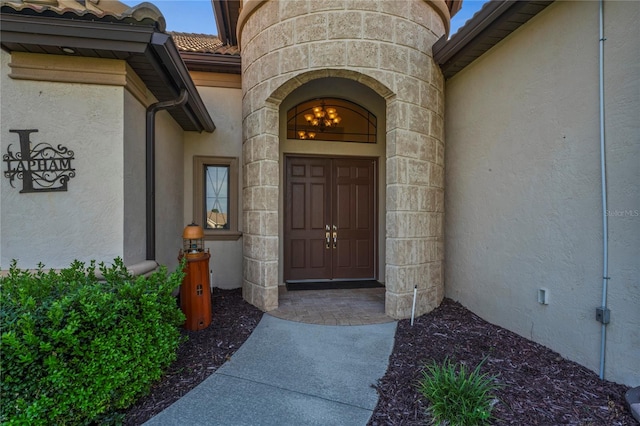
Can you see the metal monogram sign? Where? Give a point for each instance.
(41, 169)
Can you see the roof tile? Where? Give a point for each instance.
(202, 43)
(101, 10)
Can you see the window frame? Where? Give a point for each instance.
(364, 117)
(200, 162)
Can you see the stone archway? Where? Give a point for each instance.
(400, 70)
(261, 160)
(343, 91)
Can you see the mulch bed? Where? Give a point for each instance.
(539, 386)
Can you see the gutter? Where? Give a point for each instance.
(444, 50)
(225, 22)
(163, 46)
(56, 31)
(143, 48)
(153, 56)
(165, 49)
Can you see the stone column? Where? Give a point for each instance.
(415, 197)
(260, 208)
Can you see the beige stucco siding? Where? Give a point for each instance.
(86, 222)
(523, 198)
(94, 108)
(134, 185)
(225, 106)
(169, 189)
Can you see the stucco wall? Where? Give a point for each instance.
(86, 222)
(134, 186)
(225, 106)
(102, 215)
(169, 189)
(523, 198)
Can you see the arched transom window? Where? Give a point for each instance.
(331, 119)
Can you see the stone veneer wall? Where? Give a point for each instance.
(385, 45)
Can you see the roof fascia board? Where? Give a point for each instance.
(46, 31)
(225, 22)
(454, 6)
(444, 49)
(117, 35)
(220, 20)
(477, 36)
(163, 45)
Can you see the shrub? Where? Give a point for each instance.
(75, 348)
(458, 397)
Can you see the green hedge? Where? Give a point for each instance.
(75, 349)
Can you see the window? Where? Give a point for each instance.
(215, 196)
(331, 119)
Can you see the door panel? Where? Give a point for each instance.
(340, 193)
(317, 206)
(306, 214)
(354, 216)
(298, 204)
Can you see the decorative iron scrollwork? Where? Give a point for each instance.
(41, 169)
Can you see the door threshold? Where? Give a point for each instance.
(332, 284)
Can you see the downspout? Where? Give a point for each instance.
(151, 167)
(604, 313)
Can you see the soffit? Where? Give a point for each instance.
(132, 35)
(490, 25)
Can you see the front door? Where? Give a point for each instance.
(330, 218)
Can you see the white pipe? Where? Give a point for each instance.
(143, 268)
(413, 308)
(603, 171)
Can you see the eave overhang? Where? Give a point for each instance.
(211, 62)
(150, 53)
(490, 25)
(226, 13)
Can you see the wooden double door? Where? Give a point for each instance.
(330, 218)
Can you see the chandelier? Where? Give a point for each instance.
(321, 119)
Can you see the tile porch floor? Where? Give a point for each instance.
(359, 306)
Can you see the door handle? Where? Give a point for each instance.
(335, 236)
(327, 235)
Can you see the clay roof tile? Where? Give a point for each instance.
(202, 43)
(102, 10)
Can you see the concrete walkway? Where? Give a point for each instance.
(291, 373)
